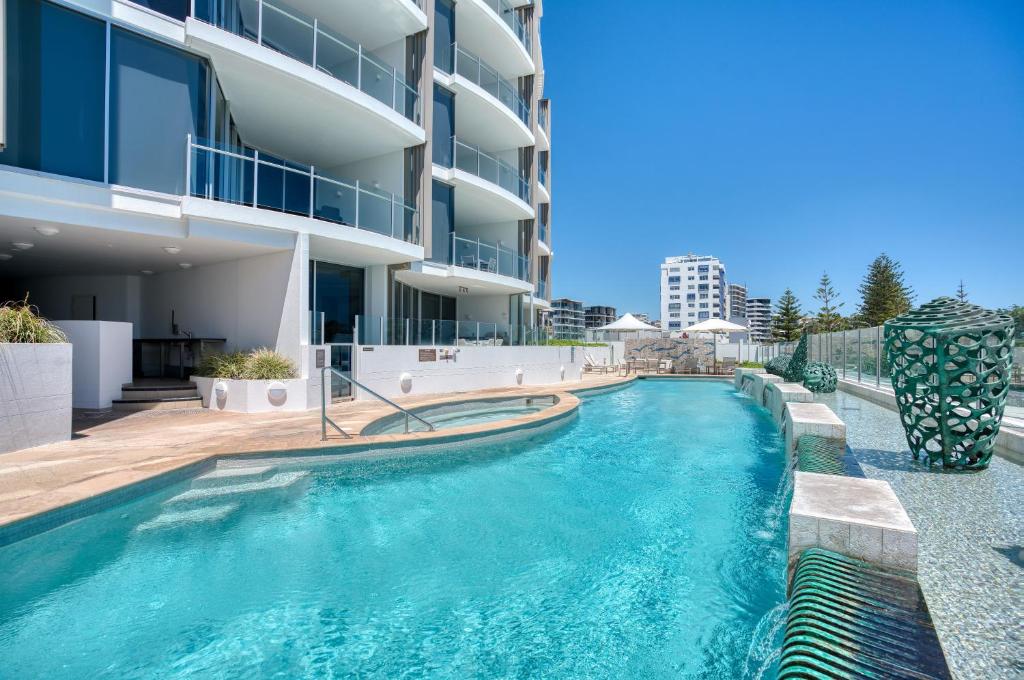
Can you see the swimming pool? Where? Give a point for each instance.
(642, 539)
(460, 413)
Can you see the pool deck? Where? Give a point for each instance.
(109, 453)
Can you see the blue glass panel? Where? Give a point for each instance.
(158, 95)
(55, 78)
(444, 126)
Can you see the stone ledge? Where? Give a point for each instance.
(859, 518)
(811, 418)
(740, 372)
(777, 395)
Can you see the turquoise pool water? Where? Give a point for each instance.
(445, 416)
(641, 540)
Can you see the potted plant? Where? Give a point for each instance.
(250, 382)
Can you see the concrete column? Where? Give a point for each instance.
(376, 293)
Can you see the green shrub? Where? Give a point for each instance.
(751, 364)
(259, 364)
(554, 342)
(20, 322)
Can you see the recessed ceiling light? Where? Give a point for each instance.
(22, 245)
(5, 256)
(147, 272)
(48, 231)
(185, 265)
(172, 250)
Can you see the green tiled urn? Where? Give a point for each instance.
(949, 362)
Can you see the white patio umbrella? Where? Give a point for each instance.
(716, 326)
(628, 322)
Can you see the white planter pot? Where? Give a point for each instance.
(252, 396)
(35, 394)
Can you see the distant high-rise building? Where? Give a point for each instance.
(596, 316)
(737, 301)
(759, 319)
(640, 316)
(567, 319)
(693, 289)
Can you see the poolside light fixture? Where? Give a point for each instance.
(185, 265)
(48, 231)
(172, 250)
(21, 245)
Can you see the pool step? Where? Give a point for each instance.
(281, 480)
(225, 476)
(171, 518)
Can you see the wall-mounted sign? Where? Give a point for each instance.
(367, 349)
(321, 357)
(463, 289)
(428, 355)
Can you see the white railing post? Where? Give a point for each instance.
(392, 215)
(359, 67)
(259, 24)
(433, 331)
(878, 356)
(407, 330)
(478, 332)
(255, 172)
(394, 87)
(479, 262)
(312, 192)
(357, 204)
(316, 31)
(355, 331)
(381, 342)
(188, 164)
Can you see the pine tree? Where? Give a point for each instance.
(961, 292)
(786, 321)
(829, 319)
(883, 293)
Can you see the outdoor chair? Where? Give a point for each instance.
(690, 365)
(728, 365)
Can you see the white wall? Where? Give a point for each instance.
(118, 297)
(251, 302)
(485, 308)
(388, 171)
(101, 361)
(473, 368)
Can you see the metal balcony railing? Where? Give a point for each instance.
(477, 71)
(285, 29)
(492, 258)
(469, 158)
(246, 176)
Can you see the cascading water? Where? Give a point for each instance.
(766, 642)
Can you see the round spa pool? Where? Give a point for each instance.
(459, 413)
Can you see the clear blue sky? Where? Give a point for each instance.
(787, 138)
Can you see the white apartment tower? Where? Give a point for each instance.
(693, 289)
(288, 174)
(759, 319)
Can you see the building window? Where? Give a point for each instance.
(158, 94)
(702, 269)
(674, 269)
(674, 305)
(673, 315)
(444, 35)
(703, 305)
(673, 279)
(56, 70)
(673, 287)
(690, 297)
(674, 325)
(444, 126)
(702, 315)
(442, 222)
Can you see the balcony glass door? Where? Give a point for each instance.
(336, 299)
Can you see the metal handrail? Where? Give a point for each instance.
(325, 419)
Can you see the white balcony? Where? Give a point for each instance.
(491, 29)
(302, 91)
(448, 279)
(487, 189)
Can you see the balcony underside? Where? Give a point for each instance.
(375, 24)
(484, 33)
(296, 111)
(537, 302)
(543, 143)
(478, 201)
(485, 120)
(543, 195)
(451, 280)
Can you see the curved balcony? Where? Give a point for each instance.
(281, 69)
(266, 184)
(490, 107)
(489, 189)
(492, 29)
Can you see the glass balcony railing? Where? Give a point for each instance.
(469, 158)
(246, 176)
(542, 117)
(470, 66)
(492, 258)
(542, 176)
(286, 30)
(542, 232)
(380, 330)
(507, 13)
(542, 290)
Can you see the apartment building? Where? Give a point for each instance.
(288, 174)
(596, 316)
(693, 288)
(759, 319)
(736, 301)
(567, 319)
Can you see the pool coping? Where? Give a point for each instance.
(358, 447)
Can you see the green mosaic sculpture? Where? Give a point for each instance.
(950, 367)
(820, 377)
(777, 365)
(794, 372)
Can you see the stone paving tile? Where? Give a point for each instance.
(970, 541)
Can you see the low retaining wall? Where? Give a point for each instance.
(35, 394)
(813, 419)
(253, 396)
(396, 371)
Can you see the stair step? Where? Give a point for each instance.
(225, 476)
(173, 518)
(280, 480)
(137, 393)
(155, 404)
